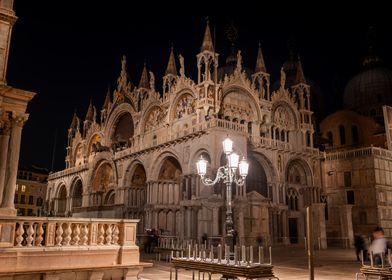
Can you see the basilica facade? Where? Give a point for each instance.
(138, 160)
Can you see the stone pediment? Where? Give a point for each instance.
(253, 195)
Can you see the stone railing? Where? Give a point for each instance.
(362, 152)
(39, 244)
(271, 143)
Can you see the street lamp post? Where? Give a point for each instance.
(232, 172)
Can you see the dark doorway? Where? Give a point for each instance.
(293, 230)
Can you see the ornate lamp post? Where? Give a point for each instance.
(232, 172)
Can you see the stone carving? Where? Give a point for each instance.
(98, 147)
(154, 119)
(284, 118)
(185, 106)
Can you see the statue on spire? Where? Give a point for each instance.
(122, 80)
(182, 67)
(282, 78)
(239, 60)
(152, 81)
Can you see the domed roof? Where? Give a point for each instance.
(369, 90)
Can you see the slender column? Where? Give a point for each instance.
(188, 222)
(155, 218)
(187, 188)
(12, 166)
(176, 193)
(182, 225)
(194, 185)
(4, 139)
(215, 221)
(241, 230)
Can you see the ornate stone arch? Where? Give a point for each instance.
(298, 172)
(156, 167)
(152, 117)
(285, 116)
(111, 125)
(130, 170)
(253, 101)
(206, 155)
(58, 188)
(189, 103)
(195, 157)
(265, 162)
(104, 157)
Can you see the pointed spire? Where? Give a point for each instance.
(300, 78)
(107, 100)
(260, 65)
(90, 112)
(144, 78)
(171, 65)
(207, 41)
(75, 122)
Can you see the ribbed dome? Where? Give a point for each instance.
(367, 91)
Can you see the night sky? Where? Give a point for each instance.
(69, 54)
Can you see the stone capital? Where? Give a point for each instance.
(5, 123)
(19, 119)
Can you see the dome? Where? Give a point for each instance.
(369, 90)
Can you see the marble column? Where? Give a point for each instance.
(7, 206)
(4, 139)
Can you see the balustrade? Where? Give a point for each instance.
(39, 232)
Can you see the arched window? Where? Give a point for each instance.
(308, 142)
(292, 199)
(342, 133)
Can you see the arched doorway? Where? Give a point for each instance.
(62, 201)
(135, 198)
(298, 196)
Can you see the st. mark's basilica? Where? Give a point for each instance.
(136, 157)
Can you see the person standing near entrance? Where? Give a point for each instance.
(378, 246)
